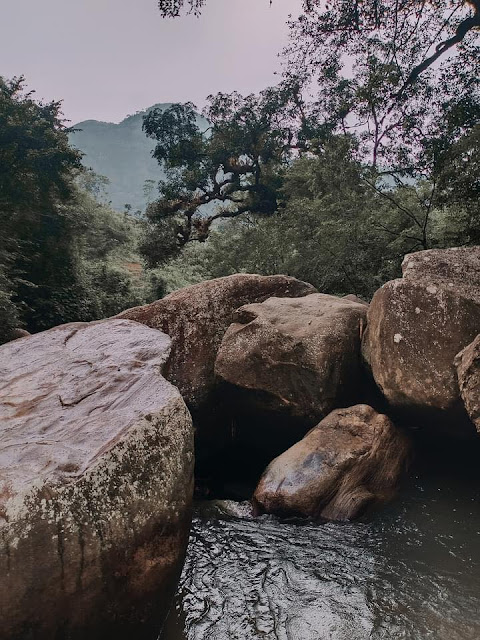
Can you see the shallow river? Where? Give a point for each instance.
(411, 571)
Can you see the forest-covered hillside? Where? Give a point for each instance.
(123, 154)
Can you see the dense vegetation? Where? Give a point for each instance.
(63, 254)
(369, 148)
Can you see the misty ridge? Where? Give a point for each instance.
(123, 154)
(240, 342)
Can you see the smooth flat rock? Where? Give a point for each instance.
(196, 319)
(350, 461)
(96, 480)
(416, 326)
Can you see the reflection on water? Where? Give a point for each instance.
(410, 572)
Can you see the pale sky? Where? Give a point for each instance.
(108, 58)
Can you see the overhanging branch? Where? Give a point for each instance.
(467, 25)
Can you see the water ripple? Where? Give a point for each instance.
(411, 573)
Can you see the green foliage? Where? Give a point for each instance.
(9, 315)
(232, 167)
(367, 150)
(36, 159)
(367, 59)
(324, 235)
(107, 247)
(190, 267)
(334, 230)
(459, 184)
(361, 72)
(36, 164)
(63, 255)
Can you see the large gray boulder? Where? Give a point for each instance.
(468, 371)
(196, 318)
(416, 326)
(350, 461)
(96, 481)
(297, 357)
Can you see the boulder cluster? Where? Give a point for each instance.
(97, 439)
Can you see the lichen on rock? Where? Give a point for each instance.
(96, 481)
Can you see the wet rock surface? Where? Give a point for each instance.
(350, 461)
(196, 319)
(96, 480)
(416, 326)
(298, 357)
(468, 370)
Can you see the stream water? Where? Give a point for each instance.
(410, 571)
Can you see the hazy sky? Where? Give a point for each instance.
(108, 58)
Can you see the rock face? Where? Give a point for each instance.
(96, 466)
(350, 461)
(416, 326)
(17, 333)
(196, 318)
(297, 357)
(353, 298)
(468, 371)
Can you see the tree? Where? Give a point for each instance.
(329, 232)
(231, 168)
(333, 231)
(363, 59)
(36, 165)
(367, 69)
(394, 83)
(62, 253)
(366, 63)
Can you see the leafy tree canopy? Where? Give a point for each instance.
(232, 167)
(36, 164)
(363, 61)
(373, 71)
(334, 230)
(35, 158)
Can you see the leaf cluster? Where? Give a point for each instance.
(62, 253)
(231, 166)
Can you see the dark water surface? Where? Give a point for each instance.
(411, 571)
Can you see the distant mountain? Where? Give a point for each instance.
(123, 153)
